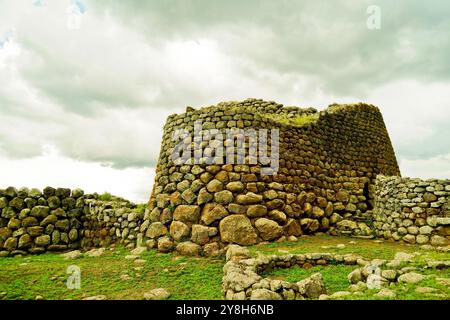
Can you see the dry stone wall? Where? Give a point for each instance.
(244, 276)
(59, 219)
(328, 162)
(413, 210)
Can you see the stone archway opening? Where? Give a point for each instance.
(366, 194)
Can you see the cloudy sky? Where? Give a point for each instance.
(86, 86)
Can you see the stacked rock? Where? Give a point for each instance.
(110, 222)
(324, 173)
(413, 210)
(34, 221)
(59, 219)
(243, 275)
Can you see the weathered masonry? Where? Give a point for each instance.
(328, 162)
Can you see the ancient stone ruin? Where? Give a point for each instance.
(328, 163)
(291, 171)
(60, 219)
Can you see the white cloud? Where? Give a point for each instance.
(100, 94)
(53, 169)
(435, 167)
(417, 116)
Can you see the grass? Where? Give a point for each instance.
(334, 276)
(140, 208)
(369, 249)
(408, 291)
(106, 196)
(45, 275)
(295, 121)
(199, 278)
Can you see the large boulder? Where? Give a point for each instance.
(29, 222)
(5, 233)
(200, 234)
(165, 244)
(264, 294)
(342, 196)
(223, 197)
(188, 249)
(347, 225)
(51, 219)
(155, 230)
(238, 229)
(42, 241)
(17, 203)
(179, 230)
(211, 213)
(310, 225)
(187, 214)
(256, 210)
(249, 198)
(238, 281)
(10, 244)
(236, 251)
(411, 277)
(312, 287)
(268, 229)
(25, 241)
(40, 211)
(292, 228)
(235, 186)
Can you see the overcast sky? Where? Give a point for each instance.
(86, 86)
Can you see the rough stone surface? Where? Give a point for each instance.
(157, 294)
(237, 229)
(264, 294)
(411, 277)
(268, 229)
(189, 249)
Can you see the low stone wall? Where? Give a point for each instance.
(244, 275)
(412, 210)
(59, 219)
(243, 278)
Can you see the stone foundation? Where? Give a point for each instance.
(60, 219)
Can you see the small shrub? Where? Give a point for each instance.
(140, 208)
(106, 196)
(299, 120)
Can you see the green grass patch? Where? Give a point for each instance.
(294, 121)
(140, 208)
(45, 275)
(334, 276)
(106, 196)
(367, 248)
(200, 278)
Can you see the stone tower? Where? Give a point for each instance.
(324, 171)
